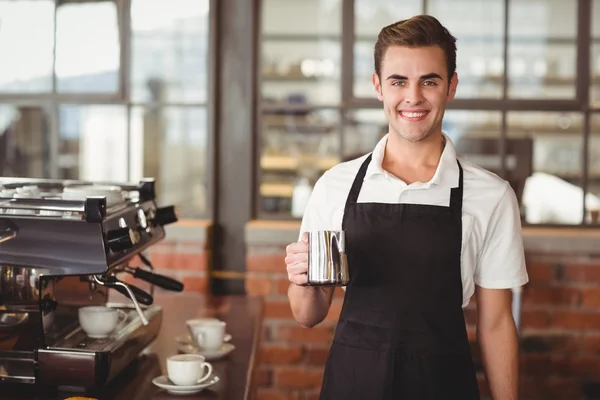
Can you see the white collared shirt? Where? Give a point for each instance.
(492, 246)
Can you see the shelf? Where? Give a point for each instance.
(289, 163)
(284, 190)
(297, 78)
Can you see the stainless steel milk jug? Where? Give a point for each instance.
(327, 263)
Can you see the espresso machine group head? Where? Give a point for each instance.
(62, 244)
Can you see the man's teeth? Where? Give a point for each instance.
(413, 114)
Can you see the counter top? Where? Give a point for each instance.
(244, 318)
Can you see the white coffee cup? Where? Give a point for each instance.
(188, 369)
(207, 333)
(99, 322)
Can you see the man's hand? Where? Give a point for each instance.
(296, 261)
(309, 304)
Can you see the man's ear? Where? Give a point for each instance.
(377, 86)
(452, 86)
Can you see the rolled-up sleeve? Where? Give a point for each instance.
(501, 262)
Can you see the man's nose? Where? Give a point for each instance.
(414, 95)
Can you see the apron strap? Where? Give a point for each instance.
(456, 195)
(356, 186)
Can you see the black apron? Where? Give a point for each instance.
(401, 332)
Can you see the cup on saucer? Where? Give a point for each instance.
(207, 333)
(188, 369)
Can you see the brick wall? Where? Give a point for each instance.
(182, 255)
(559, 339)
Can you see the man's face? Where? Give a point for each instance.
(414, 89)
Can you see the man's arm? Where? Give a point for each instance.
(498, 339)
(309, 304)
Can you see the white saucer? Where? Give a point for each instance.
(208, 354)
(187, 339)
(163, 382)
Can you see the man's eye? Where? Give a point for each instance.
(429, 83)
(398, 83)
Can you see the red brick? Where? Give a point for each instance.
(258, 262)
(195, 284)
(591, 344)
(582, 273)
(578, 320)
(282, 286)
(540, 272)
(258, 286)
(561, 388)
(317, 357)
(484, 388)
(553, 343)
(472, 333)
(164, 246)
(312, 395)
(280, 355)
(553, 296)
(277, 394)
(470, 316)
(263, 377)
(299, 334)
(590, 297)
(576, 367)
(535, 365)
(189, 245)
(298, 377)
(535, 319)
(549, 388)
(278, 309)
(180, 261)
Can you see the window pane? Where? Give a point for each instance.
(296, 148)
(553, 192)
(169, 47)
(169, 144)
(24, 133)
(93, 142)
(87, 47)
(362, 130)
(26, 45)
(479, 60)
(595, 56)
(300, 61)
(592, 200)
(369, 17)
(542, 49)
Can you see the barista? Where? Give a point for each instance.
(424, 232)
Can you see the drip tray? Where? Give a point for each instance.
(78, 340)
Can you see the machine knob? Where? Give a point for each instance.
(142, 219)
(122, 239)
(165, 215)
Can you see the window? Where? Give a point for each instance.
(107, 93)
(519, 111)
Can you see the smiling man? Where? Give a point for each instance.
(424, 232)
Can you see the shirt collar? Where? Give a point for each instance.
(446, 174)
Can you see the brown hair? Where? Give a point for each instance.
(418, 31)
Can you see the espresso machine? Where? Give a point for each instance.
(65, 245)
